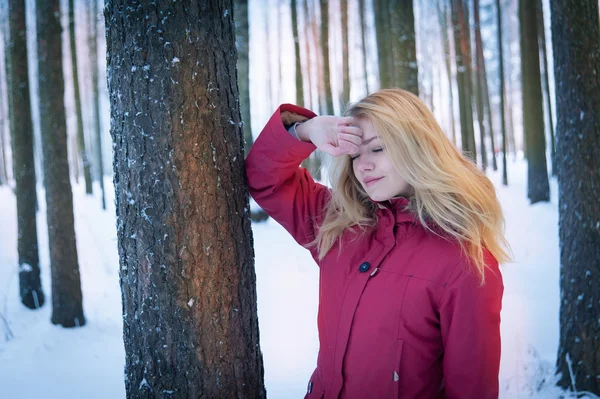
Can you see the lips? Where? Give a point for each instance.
(369, 181)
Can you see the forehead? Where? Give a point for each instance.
(367, 127)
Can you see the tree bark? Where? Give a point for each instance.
(67, 309)
(345, 62)
(576, 45)
(96, 97)
(30, 287)
(242, 40)
(384, 48)
(363, 41)
(538, 188)
(80, 137)
(299, 81)
(460, 21)
(405, 70)
(479, 79)
(443, 17)
(324, 40)
(183, 218)
(502, 94)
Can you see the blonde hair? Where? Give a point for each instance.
(452, 197)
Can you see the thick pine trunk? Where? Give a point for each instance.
(576, 45)
(460, 21)
(30, 288)
(96, 97)
(183, 219)
(538, 188)
(405, 71)
(242, 36)
(67, 309)
(384, 48)
(80, 136)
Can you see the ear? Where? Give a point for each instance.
(289, 118)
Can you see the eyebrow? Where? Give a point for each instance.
(365, 142)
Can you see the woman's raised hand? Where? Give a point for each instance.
(333, 135)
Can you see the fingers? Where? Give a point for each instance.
(351, 138)
(347, 120)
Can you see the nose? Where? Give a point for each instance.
(364, 164)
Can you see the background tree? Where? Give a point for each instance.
(242, 40)
(78, 112)
(324, 43)
(30, 288)
(67, 309)
(184, 236)
(93, 45)
(443, 17)
(576, 47)
(345, 55)
(479, 81)
(462, 45)
(405, 69)
(538, 188)
(299, 80)
(363, 41)
(502, 91)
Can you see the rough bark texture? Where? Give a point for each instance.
(460, 22)
(576, 45)
(299, 82)
(402, 32)
(324, 40)
(80, 136)
(502, 93)
(242, 37)
(96, 96)
(30, 288)
(479, 79)
(384, 48)
(183, 218)
(538, 188)
(67, 307)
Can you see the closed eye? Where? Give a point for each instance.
(378, 150)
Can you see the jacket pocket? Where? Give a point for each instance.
(397, 368)
(315, 389)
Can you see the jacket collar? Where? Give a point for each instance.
(399, 206)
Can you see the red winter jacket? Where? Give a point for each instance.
(400, 315)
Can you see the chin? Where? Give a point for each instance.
(379, 197)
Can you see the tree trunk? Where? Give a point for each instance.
(533, 111)
(443, 17)
(576, 45)
(67, 309)
(544, 66)
(183, 221)
(324, 40)
(462, 46)
(488, 107)
(402, 33)
(242, 36)
(363, 41)
(3, 118)
(502, 94)
(480, 65)
(345, 62)
(299, 81)
(384, 48)
(30, 288)
(308, 100)
(96, 97)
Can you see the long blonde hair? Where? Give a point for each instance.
(452, 197)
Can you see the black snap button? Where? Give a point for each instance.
(310, 385)
(364, 267)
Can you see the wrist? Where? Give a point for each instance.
(302, 131)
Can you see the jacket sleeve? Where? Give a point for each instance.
(284, 190)
(470, 326)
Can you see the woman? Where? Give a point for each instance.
(408, 241)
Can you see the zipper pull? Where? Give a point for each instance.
(374, 272)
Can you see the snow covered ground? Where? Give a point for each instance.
(46, 361)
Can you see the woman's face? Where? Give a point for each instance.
(373, 167)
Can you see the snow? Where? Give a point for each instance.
(41, 360)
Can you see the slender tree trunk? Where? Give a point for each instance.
(533, 111)
(345, 62)
(448, 56)
(480, 62)
(279, 30)
(30, 288)
(67, 309)
(502, 94)
(96, 97)
(384, 48)
(268, 49)
(324, 39)
(3, 118)
(299, 81)
(242, 40)
(542, 43)
(363, 40)
(80, 137)
(488, 107)
(463, 77)
(576, 45)
(184, 235)
(307, 40)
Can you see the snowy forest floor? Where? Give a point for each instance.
(46, 361)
